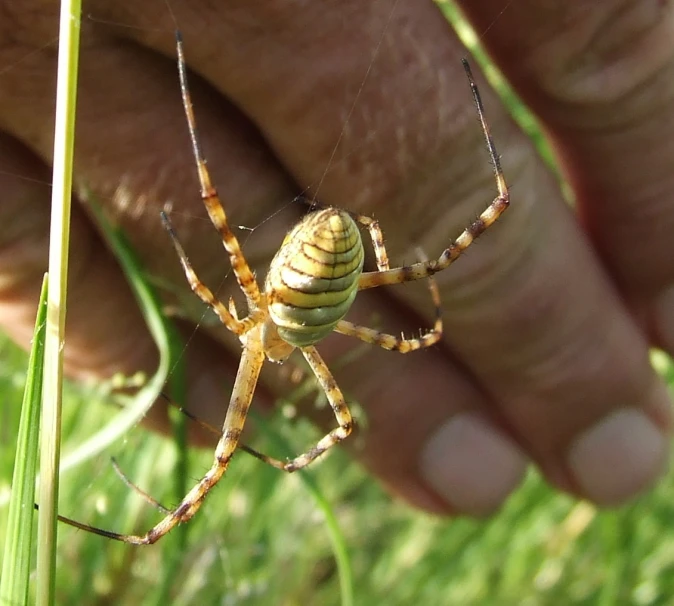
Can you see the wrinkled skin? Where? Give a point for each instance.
(548, 318)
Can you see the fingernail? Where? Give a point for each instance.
(619, 457)
(664, 319)
(471, 465)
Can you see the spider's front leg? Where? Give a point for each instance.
(488, 217)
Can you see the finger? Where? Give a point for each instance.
(144, 163)
(601, 80)
(609, 120)
(406, 398)
(106, 333)
(128, 170)
(392, 180)
(547, 347)
(374, 180)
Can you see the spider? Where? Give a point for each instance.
(311, 284)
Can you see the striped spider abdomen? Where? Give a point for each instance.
(313, 278)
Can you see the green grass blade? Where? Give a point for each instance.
(170, 348)
(59, 237)
(176, 542)
(163, 334)
(338, 542)
(14, 582)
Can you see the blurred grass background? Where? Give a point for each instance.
(260, 540)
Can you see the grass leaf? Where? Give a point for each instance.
(18, 548)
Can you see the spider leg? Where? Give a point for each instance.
(425, 269)
(277, 463)
(137, 489)
(252, 359)
(238, 327)
(488, 217)
(335, 436)
(215, 431)
(209, 195)
(391, 342)
(377, 238)
(339, 407)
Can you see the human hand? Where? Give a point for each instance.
(548, 318)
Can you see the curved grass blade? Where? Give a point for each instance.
(171, 367)
(16, 565)
(163, 334)
(337, 540)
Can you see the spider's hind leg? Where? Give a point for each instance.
(339, 408)
(392, 342)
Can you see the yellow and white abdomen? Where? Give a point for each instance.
(313, 278)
